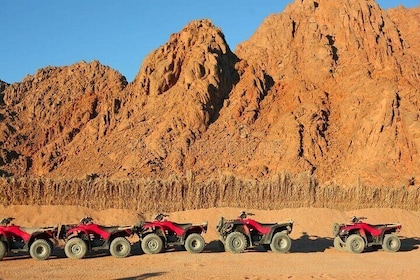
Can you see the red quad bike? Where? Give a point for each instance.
(93, 237)
(239, 234)
(38, 241)
(357, 236)
(161, 233)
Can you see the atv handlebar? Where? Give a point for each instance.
(355, 219)
(159, 217)
(244, 214)
(6, 221)
(86, 220)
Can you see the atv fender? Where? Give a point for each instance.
(199, 229)
(75, 233)
(285, 227)
(360, 232)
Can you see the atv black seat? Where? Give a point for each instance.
(268, 225)
(109, 229)
(183, 226)
(32, 230)
(381, 226)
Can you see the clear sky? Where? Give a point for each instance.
(119, 33)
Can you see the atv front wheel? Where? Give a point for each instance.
(236, 242)
(391, 243)
(194, 243)
(339, 245)
(120, 247)
(152, 244)
(3, 250)
(75, 248)
(40, 249)
(281, 243)
(355, 244)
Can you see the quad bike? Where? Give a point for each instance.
(88, 236)
(161, 233)
(239, 234)
(39, 241)
(357, 236)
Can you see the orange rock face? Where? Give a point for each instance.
(329, 88)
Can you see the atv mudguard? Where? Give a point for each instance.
(285, 227)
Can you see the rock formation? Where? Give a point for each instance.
(327, 88)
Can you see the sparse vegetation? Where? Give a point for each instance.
(145, 195)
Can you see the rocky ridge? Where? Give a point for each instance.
(326, 88)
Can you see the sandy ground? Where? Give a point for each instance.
(312, 255)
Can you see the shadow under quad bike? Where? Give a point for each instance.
(161, 233)
(357, 236)
(88, 236)
(39, 241)
(239, 234)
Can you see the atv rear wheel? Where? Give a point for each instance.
(281, 243)
(40, 249)
(355, 244)
(152, 244)
(391, 243)
(75, 248)
(194, 243)
(120, 247)
(3, 249)
(236, 242)
(339, 245)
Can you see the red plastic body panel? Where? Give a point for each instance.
(90, 229)
(165, 226)
(374, 230)
(10, 231)
(252, 224)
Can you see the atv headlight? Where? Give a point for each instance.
(343, 232)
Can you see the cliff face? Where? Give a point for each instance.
(329, 88)
(349, 83)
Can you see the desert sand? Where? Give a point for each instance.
(312, 255)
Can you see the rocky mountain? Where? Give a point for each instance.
(326, 88)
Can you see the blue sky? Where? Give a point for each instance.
(36, 34)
